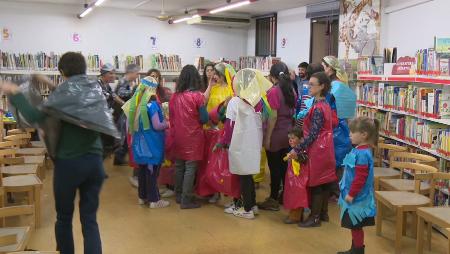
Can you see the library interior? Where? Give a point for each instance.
(224, 126)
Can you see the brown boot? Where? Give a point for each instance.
(294, 217)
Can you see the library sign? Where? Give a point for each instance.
(403, 65)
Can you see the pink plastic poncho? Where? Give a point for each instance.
(187, 130)
(202, 187)
(321, 163)
(296, 193)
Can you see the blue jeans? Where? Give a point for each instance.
(86, 174)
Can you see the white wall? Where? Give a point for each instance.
(296, 29)
(106, 31)
(415, 27)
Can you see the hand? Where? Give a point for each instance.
(292, 155)
(349, 199)
(9, 88)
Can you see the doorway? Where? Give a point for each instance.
(324, 38)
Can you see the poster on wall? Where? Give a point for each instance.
(153, 42)
(199, 43)
(76, 38)
(6, 34)
(283, 42)
(359, 28)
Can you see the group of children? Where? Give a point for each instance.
(319, 146)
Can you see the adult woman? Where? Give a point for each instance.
(163, 94)
(282, 100)
(342, 99)
(208, 75)
(222, 89)
(317, 142)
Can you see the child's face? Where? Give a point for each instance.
(294, 140)
(358, 137)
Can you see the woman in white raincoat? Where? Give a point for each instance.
(244, 135)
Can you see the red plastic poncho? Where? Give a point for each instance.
(321, 163)
(202, 187)
(296, 193)
(187, 130)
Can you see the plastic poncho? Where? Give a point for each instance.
(186, 129)
(321, 163)
(363, 204)
(246, 142)
(296, 194)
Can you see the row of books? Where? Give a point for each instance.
(423, 133)
(257, 62)
(431, 63)
(427, 101)
(166, 62)
(120, 62)
(44, 90)
(40, 61)
(373, 65)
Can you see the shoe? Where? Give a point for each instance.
(255, 210)
(353, 250)
(325, 217)
(141, 201)
(312, 221)
(288, 221)
(241, 213)
(168, 193)
(269, 204)
(133, 181)
(231, 209)
(191, 205)
(214, 198)
(160, 204)
(230, 204)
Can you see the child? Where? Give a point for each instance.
(243, 133)
(146, 125)
(295, 190)
(187, 115)
(357, 194)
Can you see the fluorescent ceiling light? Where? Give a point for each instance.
(85, 12)
(186, 19)
(229, 7)
(99, 2)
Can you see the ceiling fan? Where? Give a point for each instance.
(162, 16)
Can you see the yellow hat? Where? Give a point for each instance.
(333, 62)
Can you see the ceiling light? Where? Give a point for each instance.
(85, 12)
(99, 2)
(186, 19)
(230, 6)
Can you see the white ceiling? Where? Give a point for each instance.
(175, 7)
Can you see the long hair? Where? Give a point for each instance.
(280, 72)
(205, 78)
(313, 68)
(160, 89)
(189, 79)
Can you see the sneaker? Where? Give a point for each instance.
(168, 193)
(133, 181)
(241, 213)
(230, 204)
(141, 201)
(269, 204)
(231, 209)
(214, 198)
(160, 204)
(255, 210)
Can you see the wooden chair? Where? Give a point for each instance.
(439, 216)
(30, 184)
(17, 165)
(402, 202)
(383, 172)
(21, 131)
(23, 138)
(407, 184)
(390, 148)
(16, 238)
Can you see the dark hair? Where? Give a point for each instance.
(71, 64)
(205, 78)
(160, 89)
(303, 65)
(313, 68)
(323, 80)
(189, 79)
(280, 71)
(332, 76)
(296, 131)
(368, 125)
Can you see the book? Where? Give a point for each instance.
(444, 66)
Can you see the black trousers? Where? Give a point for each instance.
(319, 197)
(248, 191)
(277, 167)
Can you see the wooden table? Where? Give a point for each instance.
(439, 216)
(402, 202)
